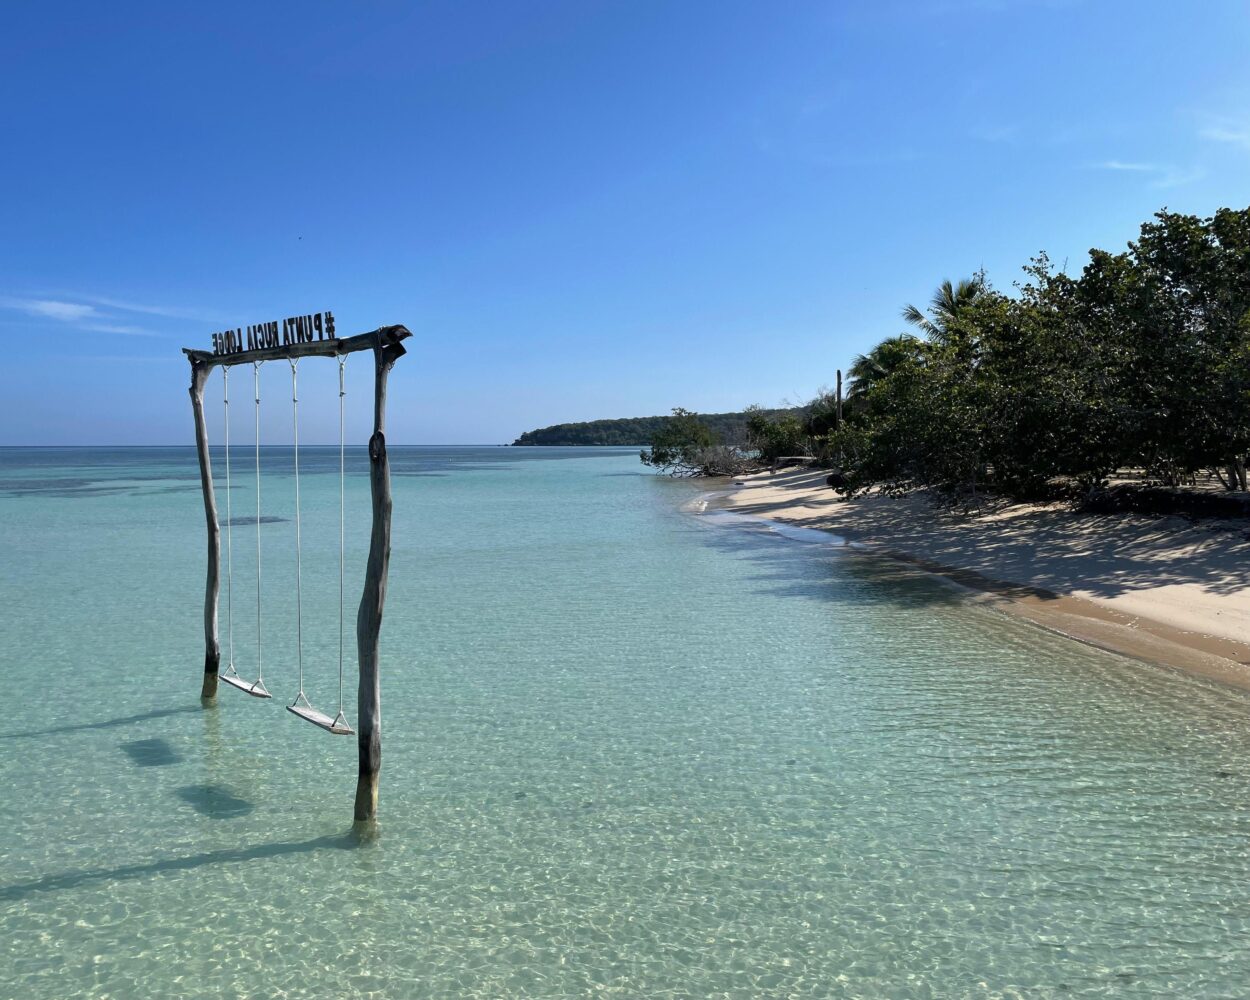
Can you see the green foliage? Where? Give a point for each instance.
(869, 369)
(1141, 361)
(822, 415)
(942, 323)
(773, 436)
(686, 446)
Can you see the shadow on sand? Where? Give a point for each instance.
(1110, 554)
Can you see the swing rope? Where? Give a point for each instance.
(342, 359)
(260, 667)
(231, 674)
(225, 387)
(299, 600)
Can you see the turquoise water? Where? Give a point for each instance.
(628, 751)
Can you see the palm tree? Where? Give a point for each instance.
(944, 308)
(869, 369)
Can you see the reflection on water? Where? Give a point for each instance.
(627, 751)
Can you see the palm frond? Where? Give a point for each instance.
(916, 318)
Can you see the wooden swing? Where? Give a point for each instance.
(301, 706)
(298, 341)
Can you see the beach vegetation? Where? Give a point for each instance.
(1142, 361)
(941, 324)
(688, 446)
(877, 364)
(772, 437)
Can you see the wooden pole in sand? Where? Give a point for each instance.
(369, 618)
(838, 425)
(212, 646)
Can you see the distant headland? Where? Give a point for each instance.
(638, 431)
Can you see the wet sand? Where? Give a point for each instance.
(1160, 589)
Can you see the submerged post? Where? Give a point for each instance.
(212, 645)
(386, 352)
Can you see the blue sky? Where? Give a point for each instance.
(580, 209)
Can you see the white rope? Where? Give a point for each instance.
(299, 623)
(260, 667)
(225, 389)
(342, 525)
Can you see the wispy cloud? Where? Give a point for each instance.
(1136, 168)
(50, 308)
(1027, 134)
(133, 331)
(1227, 133)
(130, 359)
(1007, 134)
(816, 154)
(945, 8)
(170, 312)
(1157, 175)
(85, 313)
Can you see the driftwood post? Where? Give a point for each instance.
(369, 618)
(212, 645)
(838, 424)
(387, 346)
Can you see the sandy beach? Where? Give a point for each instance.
(1161, 589)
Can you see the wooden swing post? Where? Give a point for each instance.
(369, 617)
(212, 645)
(386, 344)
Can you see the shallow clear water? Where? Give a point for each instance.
(627, 751)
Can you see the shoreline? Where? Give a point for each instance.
(1161, 590)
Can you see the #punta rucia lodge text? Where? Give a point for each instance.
(292, 330)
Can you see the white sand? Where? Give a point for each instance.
(1194, 578)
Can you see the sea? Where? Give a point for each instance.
(629, 750)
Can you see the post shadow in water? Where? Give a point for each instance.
(125, 720)
(234, 855)
(214, 801)
(209, 799)
(151, 753)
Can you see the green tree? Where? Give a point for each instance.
(940, 325)
(869, 369)
(775, 436)
(686, 446)
(1141, 361)
(821, 417)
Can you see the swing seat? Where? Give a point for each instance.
(337, 725)
(256, 689)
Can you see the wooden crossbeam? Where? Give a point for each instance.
(381, 337)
